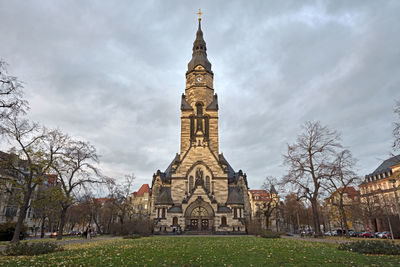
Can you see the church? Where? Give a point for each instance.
(199, 192)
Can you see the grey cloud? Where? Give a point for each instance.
(113, 73)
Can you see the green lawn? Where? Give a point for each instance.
(201, 251)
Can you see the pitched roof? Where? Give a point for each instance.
(385, 166)
(51, 179)
(214, 104)
(234, 196)
(350, 191)
(164, 196)
(231, 172)
(199, 55)
(102, 201)
(259, 195)
(145, 188)
(184, 104)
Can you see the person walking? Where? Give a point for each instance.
(89, 232)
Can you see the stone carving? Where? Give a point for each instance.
(199, 177)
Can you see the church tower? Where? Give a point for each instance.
(199, 125)
(199, 191)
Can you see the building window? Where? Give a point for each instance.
(199, 108)
(208, 183)
(175, 221)
(191, 127)
(223, 220)
(207, 127)
(235, 213)
(191, 181)
(163, 213)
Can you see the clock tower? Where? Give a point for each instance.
(199, 191)
(199, 106)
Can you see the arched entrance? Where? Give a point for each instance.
(199, 216)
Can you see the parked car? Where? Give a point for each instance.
(73, 233)
(386, 235)
(356, 234)
(328, 233)
(54, 234)
(367, 235)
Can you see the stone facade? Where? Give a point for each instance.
(140, 201)
(199, 191)
(380, 193)
(351, 199)
(265, 208)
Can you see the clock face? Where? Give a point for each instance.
(199, 79)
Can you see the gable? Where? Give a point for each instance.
(199, 155)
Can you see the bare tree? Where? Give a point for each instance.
(75, 168)
(120, 195)
(270, 204)
(11, 94)
(294, 212)
(30, 160)
(309, 161)
(338, 182)
(396, 129)
(46, 204)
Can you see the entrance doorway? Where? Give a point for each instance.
(204, 224)
(194, 224)
(199, 217)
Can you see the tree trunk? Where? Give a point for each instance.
(42, 227)
(21, 216)
(97, 226)
(62, 222)
(314, 206)
(344, 217)
(267, 216)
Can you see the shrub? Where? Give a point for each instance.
(7, 231)
(25, 248)
(134, 236)
(254, 227)
(140, 226)
(269, 234)
(371, 247)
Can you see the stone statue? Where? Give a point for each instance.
(199, 177)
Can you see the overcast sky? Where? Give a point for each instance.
(112, 73)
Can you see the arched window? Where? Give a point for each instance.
(206, 126)
(191, 183)
(199, 108)
(223, 220)
(163, 213)
(208, 183)
(175, 221)
(191, 127)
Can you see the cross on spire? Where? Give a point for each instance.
(199, 14)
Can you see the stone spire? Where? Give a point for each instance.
(199, 56)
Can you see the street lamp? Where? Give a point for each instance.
(396, 202)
